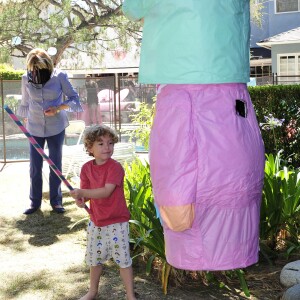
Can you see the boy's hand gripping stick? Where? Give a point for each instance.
(38, 148)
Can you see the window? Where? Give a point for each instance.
(289, 67)
(289, 64)
(261, 69)
(283, 6)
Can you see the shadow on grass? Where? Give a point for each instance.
(45, 227)
(10, 236)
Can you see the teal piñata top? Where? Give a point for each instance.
(193, 41)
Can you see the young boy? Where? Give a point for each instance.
(101, 182)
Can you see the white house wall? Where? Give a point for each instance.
(282, 50)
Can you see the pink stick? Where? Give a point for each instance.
(35, 144)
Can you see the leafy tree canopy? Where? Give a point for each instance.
(69, 26)
(256, 11)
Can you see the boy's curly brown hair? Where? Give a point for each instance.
(94, 133)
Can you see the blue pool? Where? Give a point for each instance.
(17, 148)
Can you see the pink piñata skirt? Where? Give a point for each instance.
(207, 169)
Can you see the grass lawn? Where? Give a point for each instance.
(42, 257)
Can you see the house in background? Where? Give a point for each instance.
(275, 45)
(285, 53)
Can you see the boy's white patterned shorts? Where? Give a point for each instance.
(104, 243)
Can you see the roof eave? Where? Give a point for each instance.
(268, 45)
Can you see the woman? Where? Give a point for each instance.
(44, 110)
(92, 100)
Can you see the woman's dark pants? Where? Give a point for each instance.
(55, 145)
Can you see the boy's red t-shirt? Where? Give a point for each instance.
(111, 210)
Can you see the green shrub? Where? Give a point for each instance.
(282, 102)
(145, 227)
(144, 119)
(280, 204)
(8, 73)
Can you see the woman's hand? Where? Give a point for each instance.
(51, 111)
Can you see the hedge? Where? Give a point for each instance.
(8, 73)
(282, 102)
